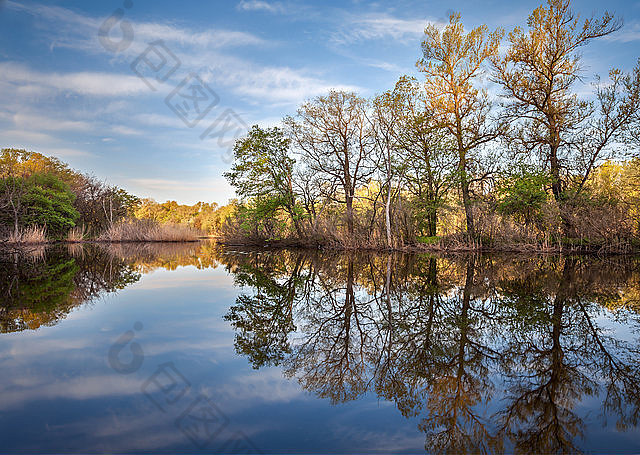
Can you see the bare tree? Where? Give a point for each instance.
(334, 137)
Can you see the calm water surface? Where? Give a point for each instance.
(194, 348)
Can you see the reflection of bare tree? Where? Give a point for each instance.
(332, 358)
(440, 337)
(558, 357)
(453, 421)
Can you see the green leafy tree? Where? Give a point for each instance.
(263, 170)
(48, 202)
(523, 194)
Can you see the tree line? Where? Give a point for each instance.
(488, 148)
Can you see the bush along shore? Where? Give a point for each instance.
(44, 201)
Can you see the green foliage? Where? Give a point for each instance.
(262, 166)
(259, 218)
(40, 199)
(522, 194)
(49, 202)
(262, 173)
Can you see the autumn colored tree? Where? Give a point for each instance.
(452, 63)
(538, 75)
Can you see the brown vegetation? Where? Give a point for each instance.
(149, 231)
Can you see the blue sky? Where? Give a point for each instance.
(98, 104)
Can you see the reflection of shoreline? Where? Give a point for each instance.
(443, 338)
(107, 267)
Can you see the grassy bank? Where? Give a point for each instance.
(149, 231)
(123, 231)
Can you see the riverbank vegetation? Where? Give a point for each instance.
(488, 149)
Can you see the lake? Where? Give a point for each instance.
(198, 348)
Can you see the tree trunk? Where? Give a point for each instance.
(387, 217)
(468, 208)
(432, 221)
(349, 200)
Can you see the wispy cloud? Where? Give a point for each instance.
(198, 50)
(82, 83)
(27, 121)
(629, 33)
(69, 29)
(260, 5)
(276, 84)
(380, 26)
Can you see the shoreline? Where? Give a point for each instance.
(524, 249)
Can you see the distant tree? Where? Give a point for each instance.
(40, 199)
(452, 63)
(49, 202)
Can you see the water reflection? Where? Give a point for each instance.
(487, 354)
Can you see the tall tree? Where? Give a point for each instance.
(334, 137)
(387, 122)
(452, 63)
(538, 75)
(427, 154)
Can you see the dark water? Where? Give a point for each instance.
(193, 348)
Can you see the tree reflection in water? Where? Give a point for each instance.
(449, 339)
(488, 353)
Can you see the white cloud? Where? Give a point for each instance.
(208, 39)
(275, 84)
(69, 29)
(260, 5)
(124, 130)
(380, 26)
(64, 152)
(30, 121)
(82, 83)
(158, 120)
(629, 33)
